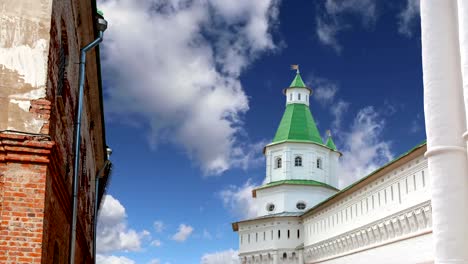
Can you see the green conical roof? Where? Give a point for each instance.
(330, 143)
(297, 124)
(298, 82)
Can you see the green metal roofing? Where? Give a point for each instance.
(298, 82)
(297, 182)
(297, 124)
(330, 143)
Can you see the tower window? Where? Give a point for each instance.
(285, 256)
(299, 97)
(290, 97)
(319, 163)
(301, 205)
(298, 161)
(270, 207)
(278, 163)
(279, 234)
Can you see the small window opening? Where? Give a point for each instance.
(301, 205)
(298, 234)
(279, 234)
(298, 161)
(285, 256)
(299, 97)
(270, 207)
(290, 97)
(319, 163)
(278, 163)
(288, 234)
(248, 238)
(256, 237)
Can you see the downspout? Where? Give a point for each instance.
(100, 174)
(102, 25)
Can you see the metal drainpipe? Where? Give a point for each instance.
(102, 25)
(96, 204)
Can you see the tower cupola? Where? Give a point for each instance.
(297, 92)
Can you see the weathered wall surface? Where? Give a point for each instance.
(24, 46)
(40, 42)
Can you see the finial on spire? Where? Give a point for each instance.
(328, 133)
(295, 67)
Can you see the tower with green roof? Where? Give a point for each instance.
(301, 169)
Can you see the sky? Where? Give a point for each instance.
(193, 92)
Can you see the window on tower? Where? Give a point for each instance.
(298, 161)
(290, 97)
(319, 163)
(278, 163)
(299, 97)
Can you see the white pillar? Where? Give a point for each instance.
(445, 123)
(463, 40)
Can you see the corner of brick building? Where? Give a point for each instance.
(37, 135)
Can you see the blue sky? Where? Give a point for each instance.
(193, 91)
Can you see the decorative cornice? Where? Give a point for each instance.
(411, 222)
(25, 148)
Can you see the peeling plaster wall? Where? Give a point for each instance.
(24, 48)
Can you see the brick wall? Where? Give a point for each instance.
(37, 133)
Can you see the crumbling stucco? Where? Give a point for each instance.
(24, 48)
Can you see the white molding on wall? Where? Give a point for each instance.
(414, 221)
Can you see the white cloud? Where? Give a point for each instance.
(154, 261)
(338, 110)
(102, 259)
(239, 200)
(175, 66)
(183, 233)
(112, 231)
(229, 256)
(324, 90)
(407, 17)
(330, 19)
(207, 234)
(364, 148)
(159, 226)
(156, 243)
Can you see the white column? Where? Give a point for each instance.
(445, 123)
(463, 40)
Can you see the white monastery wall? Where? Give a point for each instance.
(390, 209)
(268, 240)
(415, 250)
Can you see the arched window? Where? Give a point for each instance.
(285, 256)
(298, 234)
(319, 163)
(290, 97)
(279, 234)
(278, 163)
(298, 161)
(288, 234)
(299, 96)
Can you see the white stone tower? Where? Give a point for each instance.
(301, 170)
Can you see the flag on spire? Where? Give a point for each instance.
(295, 67)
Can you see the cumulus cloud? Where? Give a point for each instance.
(154, 261)
(156, 243)
(183, 233)
(229, 256)
(331, 19)
(101, 259)
(175, 68)
(364, 148)
(158, 226)
(407, 17)
(113, 234)
(239, 201)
